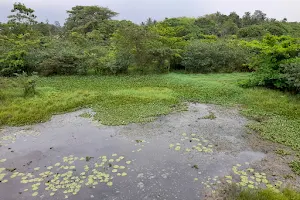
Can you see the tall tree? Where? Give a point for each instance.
(85, 19)
(21, 19)
(246, 19)
(234, 17)
(258, 16)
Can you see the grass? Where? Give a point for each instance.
(210, 116)
(282, 152)
(234, 193)
(125, 99)
(295, 166)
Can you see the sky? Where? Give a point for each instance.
(139, 10)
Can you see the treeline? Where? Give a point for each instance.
(92, 41)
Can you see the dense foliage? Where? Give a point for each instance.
(277, 63)
(215, 56)
(92, 41)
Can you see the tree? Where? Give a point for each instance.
(235, 18)
(258, 16)
(85, 19)
(150, 22)
(246, 19)
(207, 26)
(229, 28)
(22, 19)
(22, 15)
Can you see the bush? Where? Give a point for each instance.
(291, 74)
(13, 52)
(277, 63)
(219, 56)
(28, 83)
(64, 64)
(113, 63)
(59, 58)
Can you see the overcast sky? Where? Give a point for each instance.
(140, 10)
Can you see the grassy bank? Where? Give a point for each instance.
(126, 99)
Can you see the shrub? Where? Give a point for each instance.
(113, 63)
(276, 64)
(28, 83)
(291, 74)
(219, 56)
(60, 58)
(64, 64)
(13, 52)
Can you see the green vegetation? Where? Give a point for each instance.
(282, 152)
(91, 41)
(143, 61)
(211, 116)
(295, 165)
(125, 99)
(261, 194)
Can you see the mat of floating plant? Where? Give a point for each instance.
(64, 177)
(243, 176)
(192, 142)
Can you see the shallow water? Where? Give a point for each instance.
(153, 166)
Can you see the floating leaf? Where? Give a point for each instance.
(177, 148)
(124, 174)
(35, 194)
(114, 170)
(128, 162)
(171, 146)
(36, 169)
(114, 155)
(109, 184)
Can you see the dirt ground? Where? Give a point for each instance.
(186, 155)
